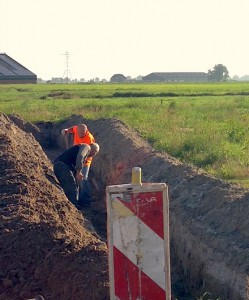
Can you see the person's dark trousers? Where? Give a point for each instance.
(85, 194)
(67, 181)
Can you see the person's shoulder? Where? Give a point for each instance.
(72, 129)
(90, 134)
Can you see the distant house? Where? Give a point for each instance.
(118, 78)
(176, 77)
(13, 72)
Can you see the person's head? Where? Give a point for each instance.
(82, 130)
(94, 149)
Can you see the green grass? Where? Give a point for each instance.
(206, 125)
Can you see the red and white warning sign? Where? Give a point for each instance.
(138, 241)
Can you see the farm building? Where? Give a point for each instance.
(176, 77)
(118, 78)
(13, 72)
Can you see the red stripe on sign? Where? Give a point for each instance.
(131, 283)
(148, 207)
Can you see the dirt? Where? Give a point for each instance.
(49, 248)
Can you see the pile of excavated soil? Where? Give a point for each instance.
(46, 246)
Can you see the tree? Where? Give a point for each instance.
(218, 74)
(236, 78)
(139, 78)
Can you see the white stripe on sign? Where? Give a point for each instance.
(141, 245)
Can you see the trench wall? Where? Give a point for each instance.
(209, 225)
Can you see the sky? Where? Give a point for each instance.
(100, 38)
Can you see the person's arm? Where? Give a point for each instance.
(80, 159)
(64, 133)
(67, 130)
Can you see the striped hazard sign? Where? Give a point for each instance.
(138, 241)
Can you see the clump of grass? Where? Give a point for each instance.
(206, 296)
(172, 106)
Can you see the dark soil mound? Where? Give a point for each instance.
(46, 246)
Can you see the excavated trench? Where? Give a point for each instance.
(209, 235)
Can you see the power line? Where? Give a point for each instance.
(67, 73)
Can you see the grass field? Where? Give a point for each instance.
(206, 125)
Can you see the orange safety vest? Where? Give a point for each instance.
(87, 139)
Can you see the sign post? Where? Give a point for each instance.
(138, 241)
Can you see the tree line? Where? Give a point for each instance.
(219, 73)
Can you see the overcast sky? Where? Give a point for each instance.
(131, 37)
